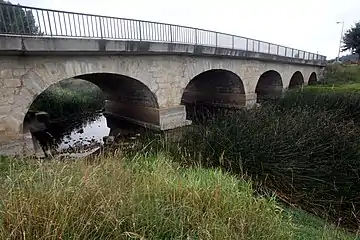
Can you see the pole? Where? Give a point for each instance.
(342, 31)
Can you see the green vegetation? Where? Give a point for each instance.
(69, 97)
(339, 74)
(17, 20)
(351, 39)
(142, 197)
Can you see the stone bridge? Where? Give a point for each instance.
(147, 82)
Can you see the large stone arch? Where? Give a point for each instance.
(296, 80)
(312, 78)
(34, 77)
(269, 86)
(214, 88)
(126, 97)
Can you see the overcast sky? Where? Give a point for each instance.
(304, 24)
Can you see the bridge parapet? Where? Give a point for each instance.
(54, 24)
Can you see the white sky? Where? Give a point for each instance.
(308, 25)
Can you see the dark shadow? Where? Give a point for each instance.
(212, 91)
(297, 80)
(269, 86)
(313, 79)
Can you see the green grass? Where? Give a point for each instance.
(342, 74)
(145, 197)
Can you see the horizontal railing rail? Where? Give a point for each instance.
(24, 20)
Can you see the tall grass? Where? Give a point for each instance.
(342, 74)
(306, 148)
(145, 198)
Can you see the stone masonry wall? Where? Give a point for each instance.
(23, 78)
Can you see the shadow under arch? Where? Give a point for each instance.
(297, 80)
(313, 79)
(126, 98)
(269, 86)
(213, 89)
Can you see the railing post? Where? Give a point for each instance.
(247, 44)
(101, 32)
(170, 30)
(269, 49)
(139, 23)
(49, 22)
(196, 40)
(233, 42)
(216, 39)
(277, 50)
(285, 51)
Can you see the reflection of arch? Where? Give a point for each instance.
(296, 80)
(312, 78)
(214, 88)
(269, 86)
(126, 96)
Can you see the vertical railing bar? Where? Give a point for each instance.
(111, 29)
(101, 28)
(11, 25)
(70, 29)
(61, 31)
(74, 22)
(38, 18)
(48, 15)
(27, 20)
(56, 32)
(21, 19)
(115, 29)
(83, 24)
(42, 13)
(127, 29)
(216, 40)
(92, 26)
(121, 28)
(79, 24)
(3, 19)
(16, 22)
(65, 28)
(107, 27)
(87, 21)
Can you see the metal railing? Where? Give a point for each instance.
(23, 20)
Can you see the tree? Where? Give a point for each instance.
(15, 20)
(351, 39)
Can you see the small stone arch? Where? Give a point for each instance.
(297, 80)
(313, 78)
(269, 86)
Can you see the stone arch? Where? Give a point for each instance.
(296, 80)
(269, 86)
(215, 88)
(126, 97)
(312, 78)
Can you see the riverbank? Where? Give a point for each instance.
(143, 196)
